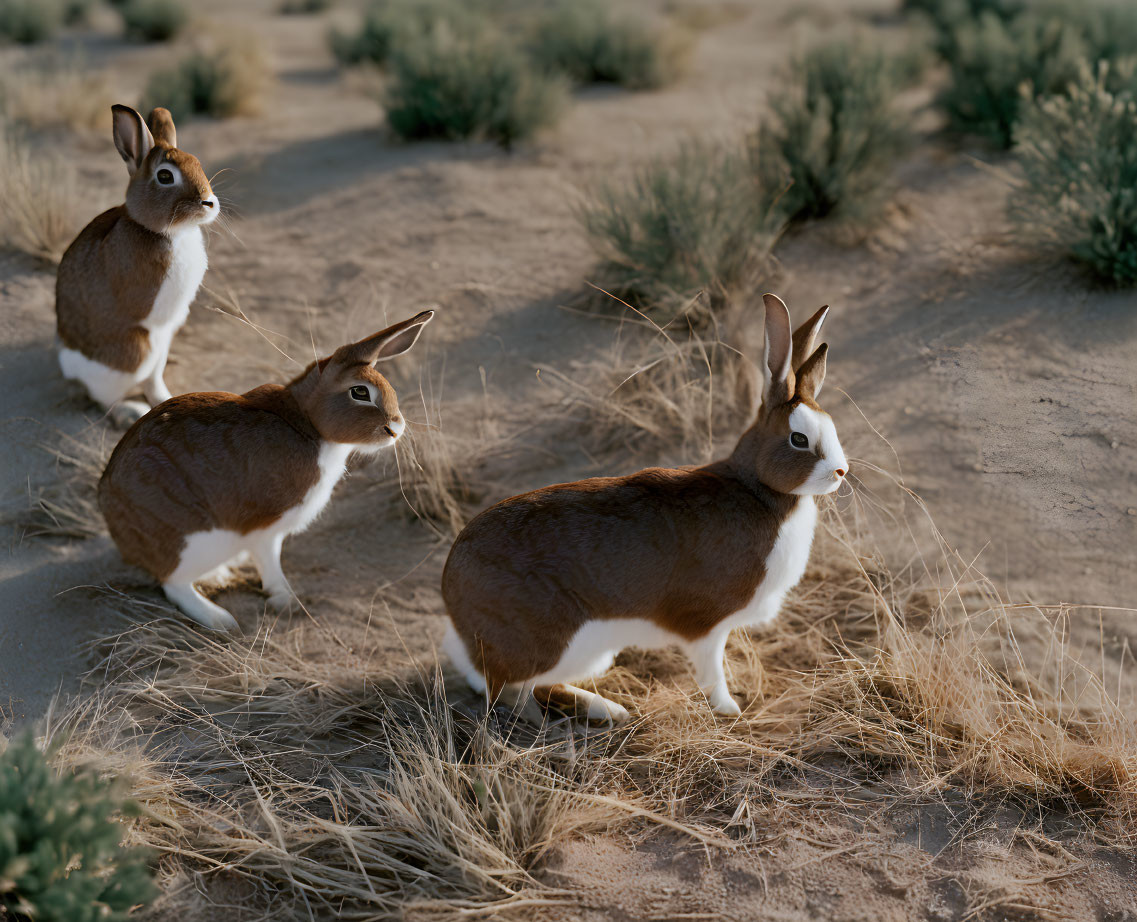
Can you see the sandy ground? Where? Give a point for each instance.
(1004, 385)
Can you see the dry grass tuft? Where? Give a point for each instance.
(444, 473)
(38, 205)
(661, 391)
(333, 793)
(58, 94)
(68, 507)
(888, 687)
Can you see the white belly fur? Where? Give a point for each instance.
(204, 551)
(188, 262)
(594, 647)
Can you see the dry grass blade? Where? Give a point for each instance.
(37, 209)
(658, 392)
(68, 507)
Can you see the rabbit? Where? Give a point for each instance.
(546, 588)
(204, 480)
(125, 284)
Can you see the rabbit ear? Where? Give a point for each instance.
(386, 344)
(805, 336)
(161, 125)
(811, 375)
(131, 136)
(779, 386)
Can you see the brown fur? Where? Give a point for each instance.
(240, 462)
(683, 548)
(110, 275)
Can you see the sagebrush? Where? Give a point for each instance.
(469, 82)
(154, 20)
(223, 77)
(833, 133)
(29, 21)
(388, 25)
(593, 42)
(695, 221)
(61, 858)
(1079, 191)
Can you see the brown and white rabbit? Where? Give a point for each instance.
(546, 588)
(125, 284)
(203, 480)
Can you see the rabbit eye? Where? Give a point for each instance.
(165, 177)
(359, 392)
(799, 440)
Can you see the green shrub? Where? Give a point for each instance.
(389, 24)
(154, 20)
(469, 83)
(222, 80)
(30, 21)
(588, 42)
(946, 15)
(304, 7)
(60, 854)
(1079, 159)
(833, 134)
(995, 66)
(684, 224)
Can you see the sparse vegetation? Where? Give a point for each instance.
(995, 66)
(67, 507)
(833, 134)
(590, 42)
(57, 95)
(154, 20)
(667, 394)
(468, 84)
(304, 7)
(392, 24)
(689, 223)
(60, 853)
(30, 21)
(222, 79)
(1002, 55)
(38, 207)
(1079, 159)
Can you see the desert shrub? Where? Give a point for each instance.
(222, 80)
(833, 133)
(30, 21)
(995, 66)
(689, 223)
(38, 205)
(304, 7)
(590, 43)
(1079, 160)
(58, 95)
(474, 83)
(60, 853)
(389, 24)
(154, 20)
